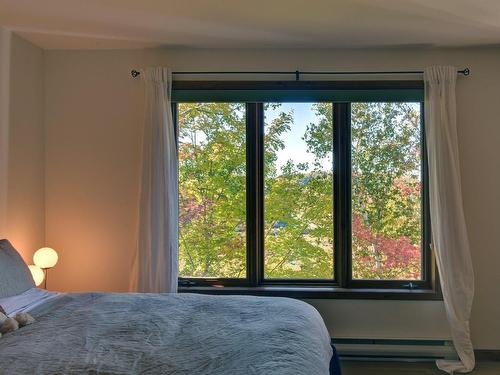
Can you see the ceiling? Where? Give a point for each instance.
(54, 24)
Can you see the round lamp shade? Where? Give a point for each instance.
(37, 274)
(45, 257)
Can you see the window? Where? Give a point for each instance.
(212, 190)
(298, 191)
(386, 191)
(303, 188)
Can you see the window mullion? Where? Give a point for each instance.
(254, 129)
(427, 259)
(342, 193)
(259, 151)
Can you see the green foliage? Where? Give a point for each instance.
(298, 197)
(212, 194)
(386, 190)
(299, 203)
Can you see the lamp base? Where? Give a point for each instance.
(46, 273)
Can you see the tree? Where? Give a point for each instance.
(299, 196)
(386, 190)
(298, 204)
(212, 193)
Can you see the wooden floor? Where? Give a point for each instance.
(401, 368)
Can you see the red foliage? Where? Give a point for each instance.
(396, 252)
(190, 209)
(405, 189)
(185, 151)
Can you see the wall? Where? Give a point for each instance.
(5, 37)
(93, 114)
(93, 135)
(25, 224)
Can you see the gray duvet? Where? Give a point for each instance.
(103, 333)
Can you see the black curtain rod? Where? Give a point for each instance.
(298, 73)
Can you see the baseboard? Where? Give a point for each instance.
(393, 349)
(487, 355)
(414, 350)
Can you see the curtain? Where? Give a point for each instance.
(156, 263)
(449, 233)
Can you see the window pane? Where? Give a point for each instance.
(386, 191)
(298, 214)
(212, 190)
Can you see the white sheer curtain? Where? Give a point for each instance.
(449, 233)
(156, 263)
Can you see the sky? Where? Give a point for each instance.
(295, 147)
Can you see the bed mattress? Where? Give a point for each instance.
(181, 334)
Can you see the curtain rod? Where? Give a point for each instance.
(297, 73)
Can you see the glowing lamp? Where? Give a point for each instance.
(37, 274)
(45, 258)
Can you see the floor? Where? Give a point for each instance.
(401, 368)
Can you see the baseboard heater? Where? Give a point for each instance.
(393, 349)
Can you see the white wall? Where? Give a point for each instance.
(24, 181)
(93, 115)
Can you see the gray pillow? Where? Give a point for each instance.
(15, 276)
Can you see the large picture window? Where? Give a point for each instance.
(318, 191)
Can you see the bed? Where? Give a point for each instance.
(132, 333)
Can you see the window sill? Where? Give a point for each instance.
(318, 292)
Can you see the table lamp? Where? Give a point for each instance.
(45, 258)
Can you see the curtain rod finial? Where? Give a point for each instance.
(466, 71)
(135, 73)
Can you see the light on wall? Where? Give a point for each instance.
(37, 274)
(45, 258)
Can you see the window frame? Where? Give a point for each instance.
(341, 285)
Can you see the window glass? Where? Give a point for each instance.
(386, 191)
(298, 191)
(212, 190)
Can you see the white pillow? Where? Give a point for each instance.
(15, 276)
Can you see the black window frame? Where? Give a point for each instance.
(341, 285)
